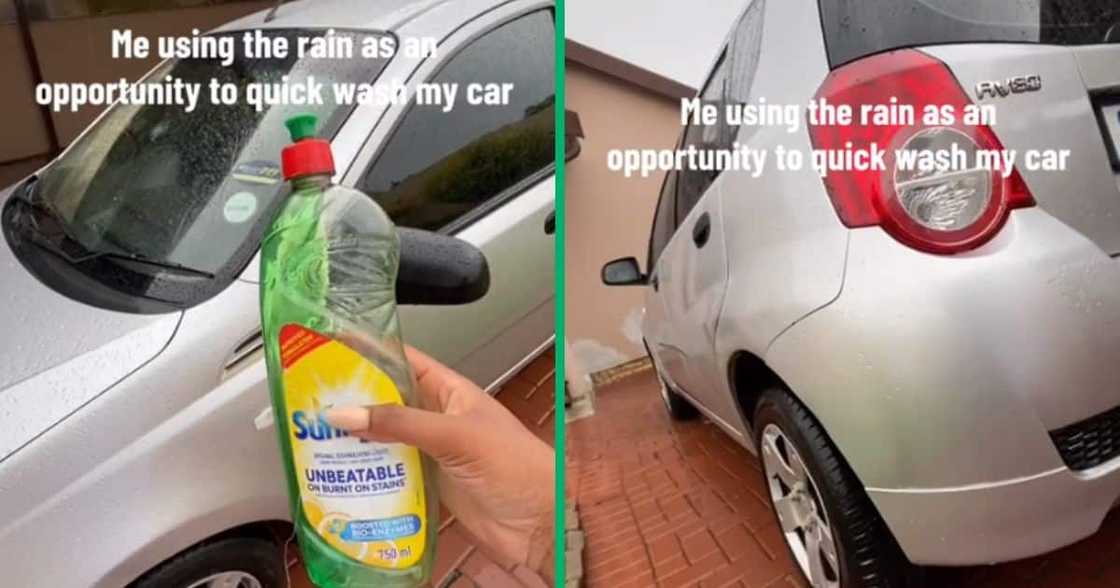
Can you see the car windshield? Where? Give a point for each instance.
(856, 28)
(191, 189)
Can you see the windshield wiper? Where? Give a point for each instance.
(145, 260)
(88, 254)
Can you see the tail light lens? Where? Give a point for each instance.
(935, 211)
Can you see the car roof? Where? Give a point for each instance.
(430, 17)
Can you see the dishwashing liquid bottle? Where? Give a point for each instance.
(365, 513)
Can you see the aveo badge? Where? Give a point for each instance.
(1005, 88)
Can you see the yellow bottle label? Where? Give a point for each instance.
(365, 499)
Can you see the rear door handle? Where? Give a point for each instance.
(702, 230)
(550, 223)
(249, 350)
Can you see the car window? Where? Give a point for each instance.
(155, 180)
(184, 189)
(729, 83)
(438, 167)
(694, 181)
(855, 28)
(743, 53)
(664, 222)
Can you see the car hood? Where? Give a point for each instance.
(56, 354)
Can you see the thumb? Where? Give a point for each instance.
(439, 435)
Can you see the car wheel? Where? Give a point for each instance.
(679, 408)
(833, 532)
(229, 563)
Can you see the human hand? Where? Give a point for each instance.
(494, 475)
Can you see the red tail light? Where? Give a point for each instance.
(938, 212)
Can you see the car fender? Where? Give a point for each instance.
(196, 494)
(163, 459)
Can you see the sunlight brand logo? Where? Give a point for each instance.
(314, 428)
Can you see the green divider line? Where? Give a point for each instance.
(558, 352)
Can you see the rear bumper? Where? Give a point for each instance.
(941, 379)
(996, 522)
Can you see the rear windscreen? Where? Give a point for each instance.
(856, 28)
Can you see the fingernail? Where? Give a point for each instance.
(350, 418)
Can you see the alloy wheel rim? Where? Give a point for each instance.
(228, 580)
(801, 513)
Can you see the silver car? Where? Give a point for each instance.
(137, 446)
(926, 363)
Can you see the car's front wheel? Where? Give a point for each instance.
(832, 530)
(228, 563)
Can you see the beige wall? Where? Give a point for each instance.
(24, 134)
(608, 216)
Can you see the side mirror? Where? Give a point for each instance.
(439, 270)
(623, 272)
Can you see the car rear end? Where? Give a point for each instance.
(974, 344)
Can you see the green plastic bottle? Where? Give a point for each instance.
(365, 513)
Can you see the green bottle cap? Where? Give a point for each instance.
(302, 126)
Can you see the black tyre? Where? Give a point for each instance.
(832, 531)
(233, 563)
(679, 408)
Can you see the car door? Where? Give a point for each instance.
(656, 325)
(484, 174)
(692, 270)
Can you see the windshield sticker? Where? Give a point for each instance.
(257, 172)
(240, 207)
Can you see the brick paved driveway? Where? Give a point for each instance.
(680, 504)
